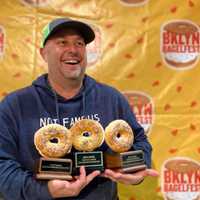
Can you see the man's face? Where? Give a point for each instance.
(65, 53)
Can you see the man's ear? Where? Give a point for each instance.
(43, 54)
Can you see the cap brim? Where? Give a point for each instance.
(86, 31)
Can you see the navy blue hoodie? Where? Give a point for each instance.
(24, 111)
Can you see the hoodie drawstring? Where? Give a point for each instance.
(56, 101)
(83, 103)
(56, 105)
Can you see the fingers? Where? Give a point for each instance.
(82, 175)
(60, 188)
(113, 175)
(123, 178)
(87, 179)
(128, 178)
(152, 172)
(91, 176)
(147, 172)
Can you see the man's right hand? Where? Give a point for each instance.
(61, 188)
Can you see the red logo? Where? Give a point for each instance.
(94, 48)
(142, 106)
(181, 179)
(180, 44)
(36, 2)
(133, 2)
(2, 41)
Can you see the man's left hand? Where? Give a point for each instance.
(129, 178)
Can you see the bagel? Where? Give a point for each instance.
(53, 141)
(182, 166)
(119, 136)
(36, 2)
(87, 135)
(133, 1)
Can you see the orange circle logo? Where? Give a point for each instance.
(36, 3)
(2, 41)
(133, 2)
(181, 179)
(94, 48)
(180, 44)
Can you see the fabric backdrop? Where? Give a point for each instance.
(147, 49)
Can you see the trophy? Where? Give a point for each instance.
(53, 142)
(87, 135)
(119, 137)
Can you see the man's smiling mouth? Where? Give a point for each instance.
(71, 62)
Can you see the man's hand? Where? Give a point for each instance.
(61, 188)
(126, 178)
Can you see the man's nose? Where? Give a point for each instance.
(71, 48)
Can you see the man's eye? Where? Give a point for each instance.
(80, 43)
(62, 42)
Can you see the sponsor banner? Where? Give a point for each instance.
(133, 2)
(181, 179)
(35, 3)
(94, 48)
(2, 41)
(143, 108)
(180, 44)
(147, 49)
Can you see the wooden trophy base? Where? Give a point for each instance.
(90, 160)
(49, 176)
(54, 168)
(127, 162)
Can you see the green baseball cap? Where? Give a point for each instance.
(61, 23)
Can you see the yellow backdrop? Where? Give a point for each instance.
(147, 49)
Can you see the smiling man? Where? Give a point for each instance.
(66, 92)
(64, 49)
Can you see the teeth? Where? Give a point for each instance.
(71, 61)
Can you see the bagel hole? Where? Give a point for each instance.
(86, 134)
(118, 135)
(54, 140)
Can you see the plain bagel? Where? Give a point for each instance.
(87, 135)
(119, 136)
(53, 141)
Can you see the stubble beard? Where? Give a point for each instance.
(74, 75)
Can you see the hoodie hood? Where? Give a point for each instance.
(42, 82)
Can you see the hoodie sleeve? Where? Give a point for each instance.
(15, 182)
(140, 141)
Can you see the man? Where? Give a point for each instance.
(62, 96)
